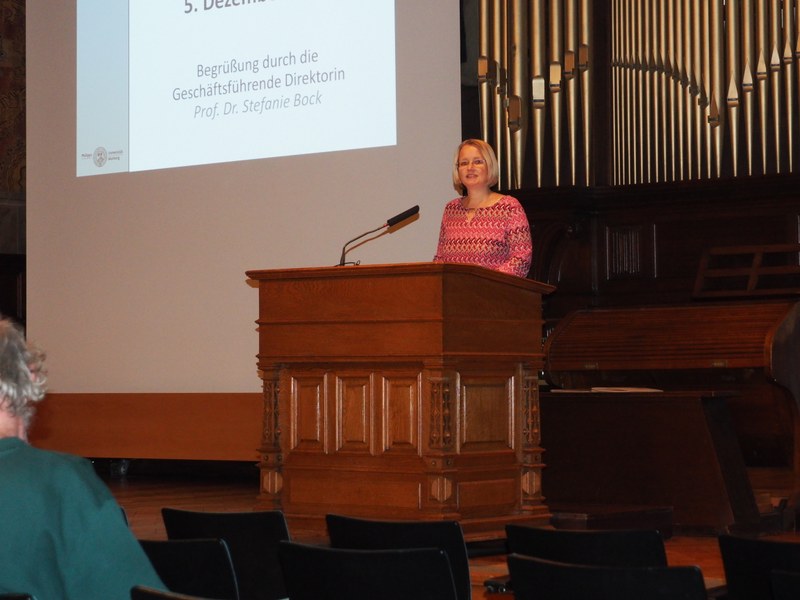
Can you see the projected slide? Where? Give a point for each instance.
(171, 83)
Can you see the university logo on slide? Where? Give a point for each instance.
(100, 156)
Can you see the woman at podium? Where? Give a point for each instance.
(483, 227)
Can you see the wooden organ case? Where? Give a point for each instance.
(734, 352)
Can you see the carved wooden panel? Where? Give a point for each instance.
(338, 490)
(307, 411)
(354, 405)
(440, 411)
(496, 492)
(400, 413)
(487, 413)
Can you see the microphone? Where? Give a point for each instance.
(402, 216)
(389, 223)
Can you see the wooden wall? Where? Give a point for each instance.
(12, 158)
(162, 426)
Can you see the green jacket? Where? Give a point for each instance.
(62, 534)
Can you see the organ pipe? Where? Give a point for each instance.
(695, 89)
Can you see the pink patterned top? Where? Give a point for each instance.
(498, 237)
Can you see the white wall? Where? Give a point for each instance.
(136, 282)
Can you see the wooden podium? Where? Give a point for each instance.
(404, 391)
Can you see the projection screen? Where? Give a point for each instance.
(136, 278)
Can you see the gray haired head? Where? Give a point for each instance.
(22, 376)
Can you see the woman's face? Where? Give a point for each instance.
(472, 168)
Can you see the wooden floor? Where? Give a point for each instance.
(142, 497)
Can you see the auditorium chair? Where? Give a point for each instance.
(198, 567)
(785, 585)
(602, 547)
(252, 539)
(370, 534)
(317, 572)
(537, 579)
(599, 547)
(749, 563)
(141, 592)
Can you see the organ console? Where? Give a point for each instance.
(739, 338)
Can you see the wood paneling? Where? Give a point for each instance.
(167, 426)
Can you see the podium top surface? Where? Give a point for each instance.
(393, 270)
(386, 312)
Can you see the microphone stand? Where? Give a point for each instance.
(344, 248)
(389, 223)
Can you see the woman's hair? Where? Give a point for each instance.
(22, 375)
(486, 153)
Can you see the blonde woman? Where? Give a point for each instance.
(483, 227)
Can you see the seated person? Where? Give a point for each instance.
(62, 534)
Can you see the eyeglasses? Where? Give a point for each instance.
(475, 162)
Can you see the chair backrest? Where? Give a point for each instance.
(16, 596)
(537, 578)
(198, 567)
(749, 562)
(141, 592)
(316, 572)
(785, 585)
(252, 539)
(610, 548)
(368, 534)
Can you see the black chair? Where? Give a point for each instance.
(598, 547)
(198, 567)
(749, 562)
(141, 592)
(785, 585)
(537, 578)
(252, 539)
(607, 547)
(323, 573)
(368, 534)
(15, 596)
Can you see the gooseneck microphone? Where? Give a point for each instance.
(389, 223)
(402, 216)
